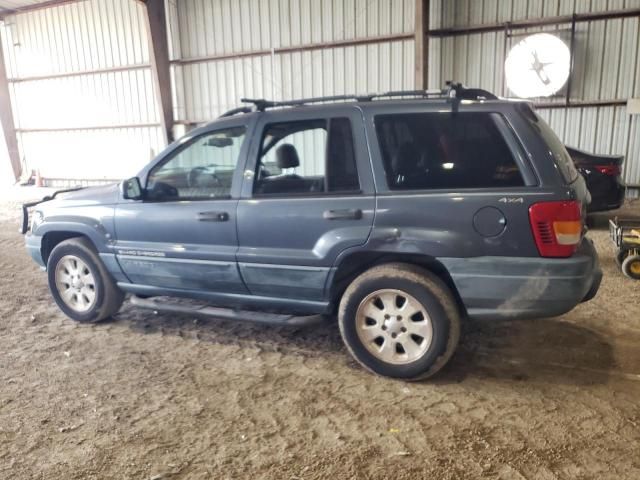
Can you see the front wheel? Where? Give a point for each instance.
(79, 282)
(400, 321)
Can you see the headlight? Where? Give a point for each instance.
(36, 219)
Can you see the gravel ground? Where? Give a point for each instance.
(163, 396)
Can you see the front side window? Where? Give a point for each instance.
(202, 169)
(307, 156)
(423, 151)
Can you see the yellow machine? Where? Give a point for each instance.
(626, 235)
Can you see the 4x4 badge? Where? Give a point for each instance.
(511, 200)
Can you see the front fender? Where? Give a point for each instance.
(96, 231)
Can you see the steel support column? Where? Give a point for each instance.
(6, 118)
(159, 52)
(422, 44)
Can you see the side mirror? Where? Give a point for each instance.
(131, 189)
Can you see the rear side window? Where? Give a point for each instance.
(307, 157)
(423, 151)
(556, 148)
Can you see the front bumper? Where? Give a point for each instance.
(34, 247)
(522, 287)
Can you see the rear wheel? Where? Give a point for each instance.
(80, 284)
(400, 321)
(631, 266)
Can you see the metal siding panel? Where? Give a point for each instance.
(595, 58)
(636, 77)
(620, 132)
(588, 129)
(632, 164)
(86, 100)
(435, 13)
(603, 130)
(556, 120)
(573, 127)
(476, 12)
(474, 61)
(360, 69)
(627, 58)
(281, 23)
(435, 64)
(535, 8)
(121, 152)
(71, 39)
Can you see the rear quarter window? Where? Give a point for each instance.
(423, 151)
(557, 150)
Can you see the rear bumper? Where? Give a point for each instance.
(518, 287)
(612, 199)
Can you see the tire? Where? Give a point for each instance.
(620, 256)
(80, 284)
(631, 266)
(399, 288)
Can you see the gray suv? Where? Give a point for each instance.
(401, 213)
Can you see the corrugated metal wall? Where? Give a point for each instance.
(81, 89)
(202, 31)
(607, 66)
(84, 101)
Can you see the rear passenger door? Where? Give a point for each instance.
(307, 196)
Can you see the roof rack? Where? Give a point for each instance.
(453, 91)
(235, 111)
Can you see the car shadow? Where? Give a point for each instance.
(550, 350)
(309, 340)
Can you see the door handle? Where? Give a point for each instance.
(213, 216)
(345, 214)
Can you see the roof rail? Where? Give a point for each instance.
(452, 90)
(235, 111)
(261, 104)
(458, 90)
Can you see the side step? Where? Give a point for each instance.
(192, 307)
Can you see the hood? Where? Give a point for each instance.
(100, 195)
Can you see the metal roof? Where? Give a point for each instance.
(14, 6)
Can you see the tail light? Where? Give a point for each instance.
(557, 227)
(610, 170)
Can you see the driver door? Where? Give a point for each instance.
(182, 236)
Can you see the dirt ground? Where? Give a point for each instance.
(162, 396)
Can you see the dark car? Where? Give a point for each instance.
(603, 174)
(400, 217)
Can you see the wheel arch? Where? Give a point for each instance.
(357, 263)
(53, 238)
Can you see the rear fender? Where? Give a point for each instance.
(353, 264)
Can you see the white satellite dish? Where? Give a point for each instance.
(537, 66)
